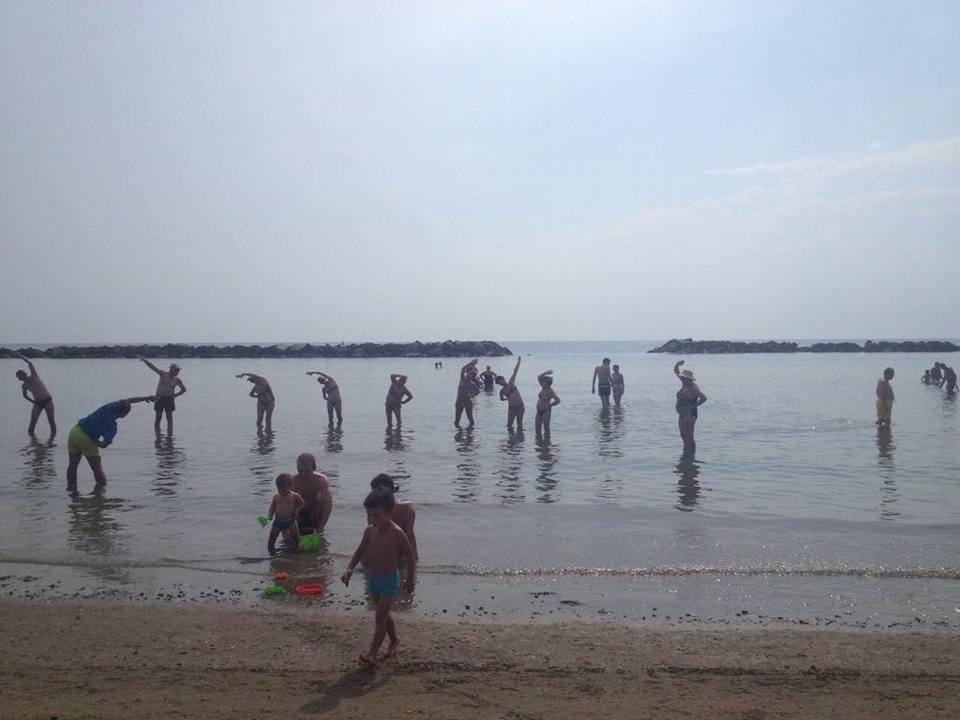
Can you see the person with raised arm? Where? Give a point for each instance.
(169, 388)
(466, 390)
(689, 399)
(331, 393)
(397, 395)
(511, 395)
(42, 400)
(266, 402)
(547, 400)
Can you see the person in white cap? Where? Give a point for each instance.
(689, 398)
(169, 388)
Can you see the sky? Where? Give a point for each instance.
(237, 171)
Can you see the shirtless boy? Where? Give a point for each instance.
(885, 397)
(169, 388)
(331, 393)
(383, 545)
(284, 510)
(42, 400)
(602, 373)
(403, 514)
(510, 394)
(314, 488)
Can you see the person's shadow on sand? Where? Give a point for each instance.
(353, 684)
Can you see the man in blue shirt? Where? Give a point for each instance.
(93, 432)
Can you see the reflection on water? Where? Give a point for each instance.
(466, 486)
(95, 527)
(334, 440)
(888, 484)
(394, 440)
(546, 483)
(511, 455)
(688, 486)
(261, 464)
(170, 462)
(39, 463)
(610, 432)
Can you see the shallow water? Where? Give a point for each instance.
(795, 506)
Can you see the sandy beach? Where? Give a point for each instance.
(100, 660)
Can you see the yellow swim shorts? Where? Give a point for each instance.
(884, 409)
(79, 443)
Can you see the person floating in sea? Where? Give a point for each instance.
(510, 394)
(404, 514)
(689, 399)
(284, 511)
(331, 393)
(949, 382)
(169, 388)
(42, 400)
(92, 433)
(397, 395)
(489, 377)
(314, 488)
(925, 378)
(547, 400)
(266, 402)
(466, 390)
(602, 373)
(619, 386)
(885, 397)
(383, 546)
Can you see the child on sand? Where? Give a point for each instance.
(885, 397)
(284, 509)
(383, 545)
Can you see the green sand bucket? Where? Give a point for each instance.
(263, 520)
(274, 590)
(311, 543)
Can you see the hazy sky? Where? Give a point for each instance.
(558, 170)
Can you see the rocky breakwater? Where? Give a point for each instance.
(689, 346)
(448, 348)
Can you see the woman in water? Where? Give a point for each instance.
(616, 379)
(546, 401)
(397, 395)
(689, 398)
(331, 393)
(466, 390)
(266, 402)
(510, 393)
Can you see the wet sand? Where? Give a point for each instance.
(103, 660)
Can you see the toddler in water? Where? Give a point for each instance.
(885, 397)
(383, 545)
(284, 509)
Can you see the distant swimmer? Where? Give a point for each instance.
(949, 379)
(42, 400)
(92, 433)
(885, 397)
(397, 395)
(689, 399)
(489, 377)
(510, 394)
(266, 402)
(403, 514)
(169, 388)
(314, 488)
(547, 400)
(331, 393)
(466, 390)
(925, 378)
(619, 386)
(601, 373)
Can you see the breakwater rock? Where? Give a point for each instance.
(448, 348)
(689, 346)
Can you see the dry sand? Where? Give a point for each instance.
(101, 660)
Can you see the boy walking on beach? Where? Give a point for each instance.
(383, 545)
(885, 397)
(284, 509)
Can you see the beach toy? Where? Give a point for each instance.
(310, 543)
(263, 520)
(274, 590)
(312, 589)
(280, 577)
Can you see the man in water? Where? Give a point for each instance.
(602, 373)
(885, 397)
(169, 388)
(42, 400)
(331, 393)
(949, 378)
(488, 376)
(314, 488)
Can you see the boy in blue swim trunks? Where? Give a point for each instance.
(284, 509)
(384, 544)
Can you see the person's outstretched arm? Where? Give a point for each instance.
(554, 400)
(411, 535)
(593, 383)
(676, 367)
(23, 391)
(325, 501)
(394, 377)
(145, 398)
(544, 374)
(466, 368)
(406, 550)
(516, 369)
(33, 370)
(182, 387)
(150, 365)
(701, 398)
(407, 396)
(357, 557)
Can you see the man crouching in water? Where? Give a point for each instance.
(314, 488)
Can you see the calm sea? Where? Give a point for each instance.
(796, 509)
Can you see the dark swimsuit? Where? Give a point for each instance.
(265, 395)
(686, 406)
(43, 403)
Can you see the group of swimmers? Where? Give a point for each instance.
(941, 375)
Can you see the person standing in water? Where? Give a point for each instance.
(266, 402)
(42, 400)
(619, 386)
(169, 388)
(949, 382)
(885, 397)
(404, 514)
(397, 395)
(331, 393)
(489, 377)
(689, 399)
(602, 373)
(547, 400)
(466, 390)
(510, 393)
